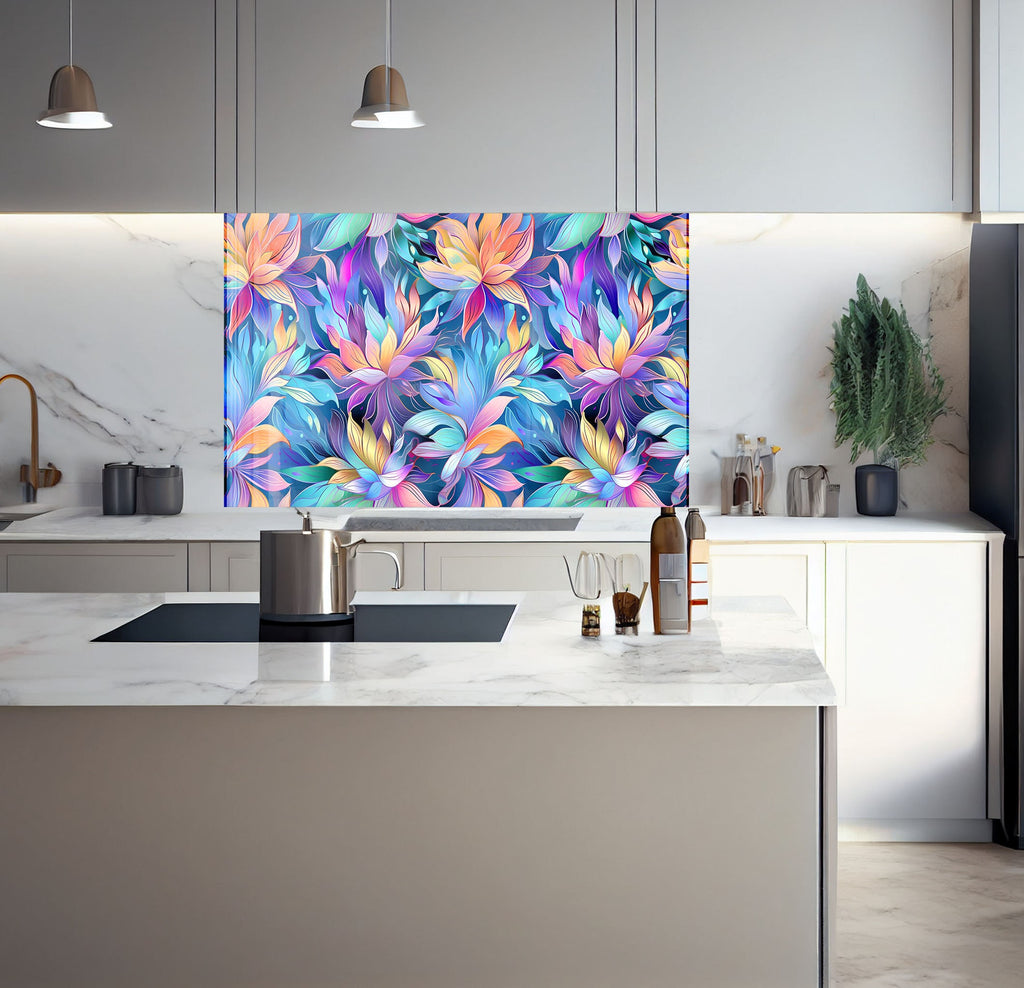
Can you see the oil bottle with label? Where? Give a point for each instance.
(668, 573)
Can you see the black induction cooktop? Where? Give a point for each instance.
(240, 622)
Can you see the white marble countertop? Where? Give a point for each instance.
(753, 652)
(595, 525)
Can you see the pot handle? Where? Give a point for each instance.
(343, 547)
(340, 546)
(394, 559)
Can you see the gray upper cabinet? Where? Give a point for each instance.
(519, 102)
(999, 105)
(800, 105)
(532, 105)
(153, 69)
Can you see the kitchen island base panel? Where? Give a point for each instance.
(927, 831)
(445, 847)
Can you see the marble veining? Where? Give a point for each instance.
(937, 305)
(126, 355)
(765, 290)
(745, 656)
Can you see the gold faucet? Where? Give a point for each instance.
(30, 476)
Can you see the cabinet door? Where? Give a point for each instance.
(1001, 105)
(98, 567)
(911, 743)
(794, 571)
(800, 105)
(513, 565)
(153, 69)
(518, 101)
(377, 572)
(236, 566)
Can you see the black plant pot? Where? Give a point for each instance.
(878, 489)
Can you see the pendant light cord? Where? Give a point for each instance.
(387, 53)
(71, 32)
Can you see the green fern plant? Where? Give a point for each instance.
(886, 391)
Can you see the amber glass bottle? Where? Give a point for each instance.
(668, 573)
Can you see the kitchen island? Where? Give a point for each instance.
(544, 810)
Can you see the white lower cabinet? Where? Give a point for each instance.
(794, 571)
(170, 567)
(377, 572)
(94, 567)
(902, 629)
(236, 566)
(912, 734)
(513, 565)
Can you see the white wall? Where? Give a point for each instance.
(117, 321)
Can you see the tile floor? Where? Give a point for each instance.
(942, 915)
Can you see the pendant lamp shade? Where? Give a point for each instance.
(72, 103)
(384, 108)
(385, 102)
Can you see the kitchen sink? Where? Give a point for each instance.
(18, 512)
(240, 622)
(454, 520)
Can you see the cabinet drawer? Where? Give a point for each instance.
(96, 568)
(236, 566)
(513, 566)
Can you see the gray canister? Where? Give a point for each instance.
(119, 488)
(160, 490)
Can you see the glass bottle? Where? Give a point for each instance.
(698, 559)
(743, 477)
(694, 527)
(668, 573)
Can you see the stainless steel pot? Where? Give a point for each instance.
(307, 573)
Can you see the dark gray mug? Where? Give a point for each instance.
(160, 490)
(119, 488)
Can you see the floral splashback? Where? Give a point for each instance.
(480, 359)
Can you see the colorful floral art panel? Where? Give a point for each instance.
(407, 360)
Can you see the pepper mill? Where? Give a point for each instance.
(668, 573)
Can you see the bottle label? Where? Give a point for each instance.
(672, 566)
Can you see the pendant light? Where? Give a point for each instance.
(72, 104)
(385, 103)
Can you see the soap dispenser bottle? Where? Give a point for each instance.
(668, 573)
(743, 477)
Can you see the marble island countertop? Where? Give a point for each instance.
(753, 652)
(594, 525)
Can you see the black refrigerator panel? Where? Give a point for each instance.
(1007, 829)
(994, 374)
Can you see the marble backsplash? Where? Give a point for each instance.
(117, 320)
(765, 290)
